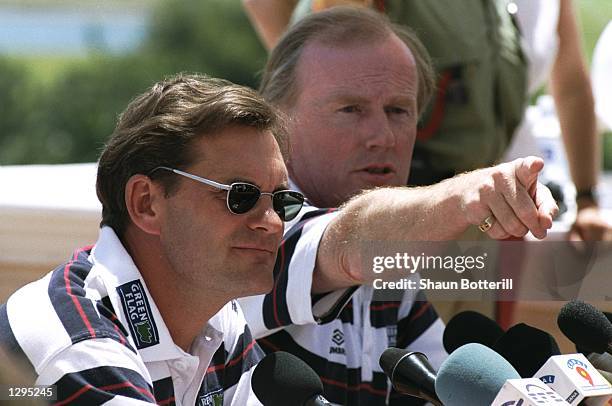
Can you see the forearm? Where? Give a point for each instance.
(575, 108)
(270, 18)
(571, 88)
(507, 194)
(432, 213)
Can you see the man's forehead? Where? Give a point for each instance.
(242, 154)
(348, 69)
(320, 52)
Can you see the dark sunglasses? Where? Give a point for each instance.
(242, 196)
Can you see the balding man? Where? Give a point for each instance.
(353, 86)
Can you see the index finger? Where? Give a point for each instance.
(547, 207)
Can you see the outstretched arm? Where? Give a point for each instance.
(509, 192)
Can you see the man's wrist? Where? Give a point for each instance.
(586, 198)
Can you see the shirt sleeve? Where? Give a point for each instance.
(96, 371)
(291, 302)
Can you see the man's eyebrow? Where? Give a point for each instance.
(404, 99)
(284, 185)
(241, 180)
(343, 97)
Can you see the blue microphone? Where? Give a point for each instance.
(472, 375)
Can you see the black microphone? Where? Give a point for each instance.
(282, 379)
(470, 327)
(586, 326)
(587, 352)
(527, 348)
(410, 373)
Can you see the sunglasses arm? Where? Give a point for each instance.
(199, 179)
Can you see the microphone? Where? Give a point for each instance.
(606, 375)
(527, 392)
(472, 375)
(602, 362)
(527, 348)
(584, 350)
(410, 373)
(470, 327)
(586, 326)
(282, 379)
(575, 379)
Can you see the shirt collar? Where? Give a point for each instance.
(133, 304)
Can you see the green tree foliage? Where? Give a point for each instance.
(70, 119)
(15, 103)
(212, 36)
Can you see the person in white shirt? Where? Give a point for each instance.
(194, 193)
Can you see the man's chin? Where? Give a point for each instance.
(260, 286)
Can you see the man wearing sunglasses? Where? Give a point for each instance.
(354, 85)
(194, 192)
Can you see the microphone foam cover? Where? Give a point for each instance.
(470, 327)
(282, 379)
(472, 375)
(585, 325)
(526, 348)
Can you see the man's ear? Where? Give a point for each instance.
(142, 199)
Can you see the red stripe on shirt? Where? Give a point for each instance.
(421, 311)
(74, 298)
(88, 387)
(282, 266)
(166, 401)
(385, 306)
(232, 362)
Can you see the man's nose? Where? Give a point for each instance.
(264, 217)
(378, 131)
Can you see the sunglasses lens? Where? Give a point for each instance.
(288, 204)
(242, 197)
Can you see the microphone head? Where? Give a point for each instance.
(583, 350)
(410, 372)
(526, 348)
(472, 375)
(470, 327)
(586, 326)
(282, 379)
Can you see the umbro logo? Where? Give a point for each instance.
(337, 339)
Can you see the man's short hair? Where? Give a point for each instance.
(338, 26)
(159, 127)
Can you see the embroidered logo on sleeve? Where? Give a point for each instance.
(138, 312)
(211, 399)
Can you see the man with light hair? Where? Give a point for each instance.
(353, 85)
